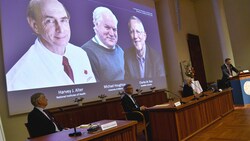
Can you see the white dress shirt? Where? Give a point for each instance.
(39, 68)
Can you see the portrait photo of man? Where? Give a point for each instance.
(51, 60)
(141, 61)
(105, 55)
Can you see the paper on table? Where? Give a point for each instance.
(162, 105)
(84, 126)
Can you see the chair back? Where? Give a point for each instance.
(142, 125)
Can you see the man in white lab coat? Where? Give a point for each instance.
(43, 65)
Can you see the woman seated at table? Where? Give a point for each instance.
(191, 88)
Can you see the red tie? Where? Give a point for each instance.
(67, 68)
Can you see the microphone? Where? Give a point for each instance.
(75, 133)
(139, 91)
(178, 96)
(153, 89)
(195, 98)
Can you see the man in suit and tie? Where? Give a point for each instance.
(227, 72)
(39, 122)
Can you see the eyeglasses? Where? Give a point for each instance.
(136, 32)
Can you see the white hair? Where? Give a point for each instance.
(99, 12)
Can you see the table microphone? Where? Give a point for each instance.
(75, 133)
(178, 96)
(139, 91)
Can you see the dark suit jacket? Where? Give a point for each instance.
(225, 83)
(187, 91)
(128, 105)
(39, 124)
(154, 66)
(225, 71)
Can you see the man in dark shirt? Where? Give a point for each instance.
(141, 60)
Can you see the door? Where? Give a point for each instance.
(196, 59)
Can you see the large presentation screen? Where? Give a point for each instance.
(80, 49)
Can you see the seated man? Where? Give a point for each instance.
(129, 104)
(40, 123)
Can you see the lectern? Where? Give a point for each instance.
(241, 89)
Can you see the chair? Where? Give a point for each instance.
(142, 125)
(27, 125)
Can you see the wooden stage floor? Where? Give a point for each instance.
(233, 127)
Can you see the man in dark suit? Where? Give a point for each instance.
(129, 104)
(141, 61)
(39, 122)
(227, 72)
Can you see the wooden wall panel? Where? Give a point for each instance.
(71, 116)
(179, 123)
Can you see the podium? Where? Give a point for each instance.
(241, 89)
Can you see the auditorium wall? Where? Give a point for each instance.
(237, 15)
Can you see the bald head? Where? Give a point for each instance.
(35, 6)
(50, 22)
